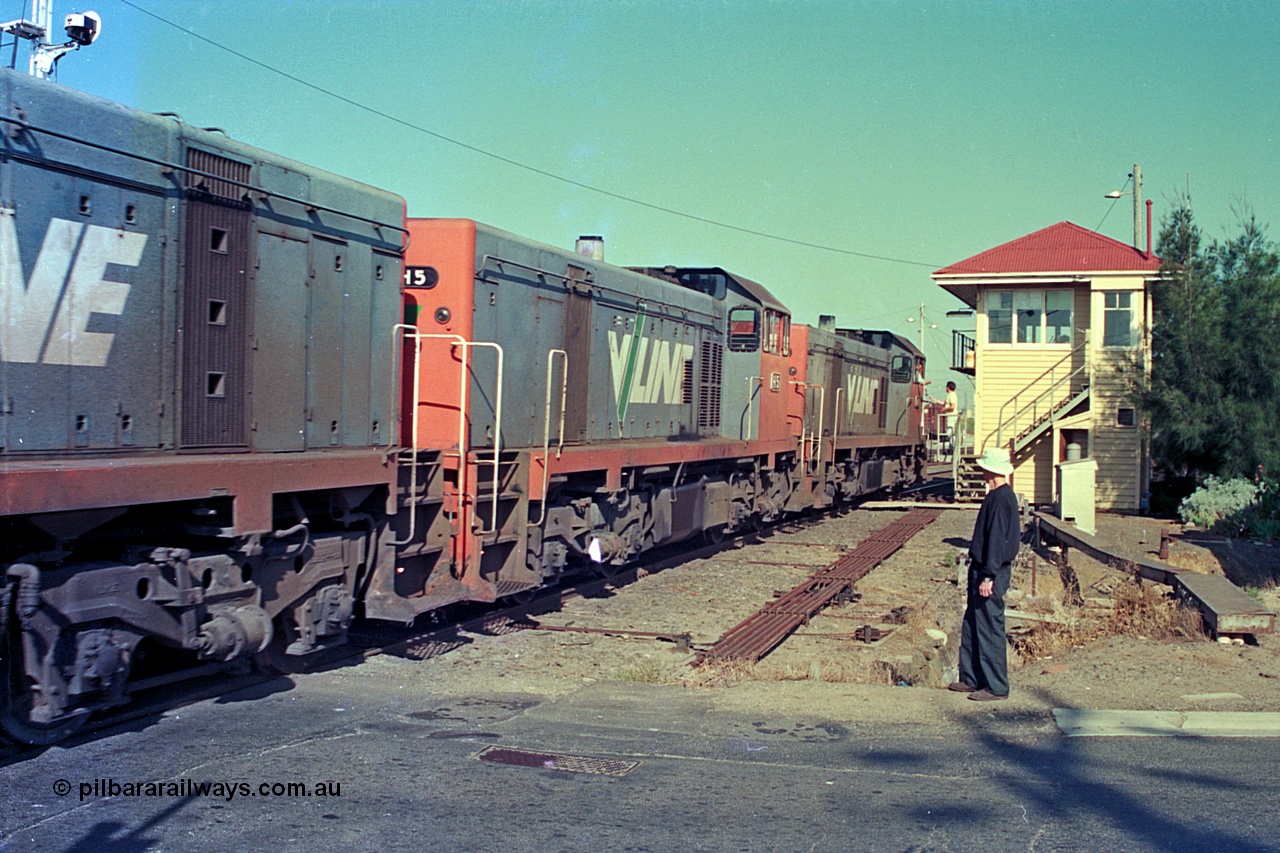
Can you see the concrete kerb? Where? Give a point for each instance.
(1080, 722)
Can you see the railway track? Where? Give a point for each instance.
(154, 696)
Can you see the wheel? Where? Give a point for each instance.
(17, 724)
(524, 596)
(273, 661)
(606, 569)
(714, 535)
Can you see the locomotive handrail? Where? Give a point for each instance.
(546, 426)
(805, 435)
(675, 312)
(484, 268)
(399, 331)
(497, 435)
(751, 397)
(835, 424)
(164, 164)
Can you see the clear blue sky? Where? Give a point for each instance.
(921, 131)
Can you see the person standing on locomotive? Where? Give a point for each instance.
(984, 671)
(946, 415)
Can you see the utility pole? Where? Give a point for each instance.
(922, 322)
(1137, 207)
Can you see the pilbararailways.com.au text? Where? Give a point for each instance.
(191, 788)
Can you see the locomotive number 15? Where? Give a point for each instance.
(421, 277)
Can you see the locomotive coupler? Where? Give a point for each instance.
(234, 633)
(605, 547)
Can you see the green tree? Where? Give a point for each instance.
(1247, 275)
(1213, 398)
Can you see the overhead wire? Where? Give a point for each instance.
(1114, 202)
(516, 163)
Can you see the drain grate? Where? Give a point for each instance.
(556, 761)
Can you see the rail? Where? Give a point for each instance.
(758, 634)
(964, 355)
(1038, 408)
(751, 399)
(806, 437)
(178, 167)
(402, 332)
(546, 425)
(497, 437)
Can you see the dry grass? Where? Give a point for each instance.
(1052, 638)
(829, 670)
(1139, 610)
(649, 672)
(1142, 610)
(921, 617)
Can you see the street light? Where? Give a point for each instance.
(1136, 192)
(922, 325)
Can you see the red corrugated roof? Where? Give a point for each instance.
(1065, 247)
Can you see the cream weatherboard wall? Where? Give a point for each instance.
(1009, 377)
(1116, 439)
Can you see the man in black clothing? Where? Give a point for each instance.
(984, 671)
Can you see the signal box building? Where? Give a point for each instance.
(1063, 319)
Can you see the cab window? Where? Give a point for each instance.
(777, 332)
(744, 330)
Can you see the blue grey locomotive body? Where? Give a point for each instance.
(226, 427)
(196, 395)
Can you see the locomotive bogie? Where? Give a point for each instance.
(244, 401)
(196, 379)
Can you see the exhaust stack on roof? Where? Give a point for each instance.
(590, 245)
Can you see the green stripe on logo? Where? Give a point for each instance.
(629, 375)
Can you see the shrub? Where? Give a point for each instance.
(1216, 501)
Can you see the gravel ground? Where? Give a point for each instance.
(704, 598)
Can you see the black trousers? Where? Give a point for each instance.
(983, 663)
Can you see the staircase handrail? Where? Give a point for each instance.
(1051, 392)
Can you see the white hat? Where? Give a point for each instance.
(996, 460)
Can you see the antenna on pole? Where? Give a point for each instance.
(82, 28)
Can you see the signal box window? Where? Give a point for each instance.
(1029, 317)
(1029, 306)
(1057, 316)
(744, 330)
(1117, 319)
(1000, 318)
(777, 332)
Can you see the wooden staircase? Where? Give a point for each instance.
(969, 485)
(1060, 409)
(1051, 396)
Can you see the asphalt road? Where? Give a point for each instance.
(399, 773)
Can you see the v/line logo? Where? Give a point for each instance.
(46, 320)
(646, 370)
(863, 393)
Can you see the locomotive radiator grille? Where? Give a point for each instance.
(213, 164)
(709, 377)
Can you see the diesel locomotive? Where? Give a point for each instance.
(244, 401)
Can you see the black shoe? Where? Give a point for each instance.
(987, 696)
(961, 687)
